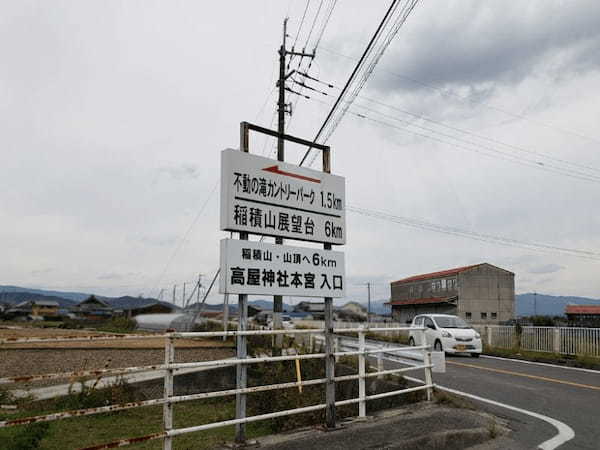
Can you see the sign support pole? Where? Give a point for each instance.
(330, 412)
(242, 350)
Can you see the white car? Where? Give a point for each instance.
(446, 333)
(286, 323)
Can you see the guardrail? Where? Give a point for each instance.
(565, 340)
(392, 328)
(241, 361)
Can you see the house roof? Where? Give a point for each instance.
(45, 303)
(442, 273)
(92, 300)
(582, 309)
(421, 301)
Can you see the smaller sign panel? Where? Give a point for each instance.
(258, 268)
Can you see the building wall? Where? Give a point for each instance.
(486, 290)
(42, 310)
(433, 287)
(405, 314)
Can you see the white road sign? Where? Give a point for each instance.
(257, 268)
(267, 197)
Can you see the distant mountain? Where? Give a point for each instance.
(14, 294)
(13, 298)
(548, 305)
(74, 296)
(268, 305)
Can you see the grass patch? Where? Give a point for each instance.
(582, 361)
(453, 401)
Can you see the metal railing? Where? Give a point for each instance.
(563, 340)
(392, 328)
(170, 367)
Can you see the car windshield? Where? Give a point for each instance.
(451, 322)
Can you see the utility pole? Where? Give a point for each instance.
(174, 300)
(183, 296)
(368, 304)
(199, 286)
(535, 303)
(281, 112)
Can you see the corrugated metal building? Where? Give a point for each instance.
(481, 293)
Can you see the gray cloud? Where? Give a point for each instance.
(181, 172)
(478, 46)
(112, 117)
(110, 276)
(546, 268)
(41, 272)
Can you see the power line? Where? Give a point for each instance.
(445, 93)
(323, 26)
(351, 79)
(479, 136)
(474, 235)
(475, 147)
(298, 33)
(185, 236)
(370, 66)
(313, 25)
(481, 149)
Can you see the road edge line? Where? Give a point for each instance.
(565, 432)
(536, 363)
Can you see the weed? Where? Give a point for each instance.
(453, 401)
(27, 438)
(492, 428)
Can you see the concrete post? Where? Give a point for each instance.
(556, 340)
(241, 369)
(330, 413)
(362, 391)
(168, 393)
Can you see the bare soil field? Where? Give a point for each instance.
(11, 332)
(16, 362)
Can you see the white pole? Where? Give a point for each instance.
(168, 407)
(362, 405)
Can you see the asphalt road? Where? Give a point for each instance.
(570, 396)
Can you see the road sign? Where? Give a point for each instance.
(267, 197)
(258, 268)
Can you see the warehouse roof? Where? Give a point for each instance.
(443, 273)
(582, 309)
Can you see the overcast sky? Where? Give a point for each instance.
(113, 115)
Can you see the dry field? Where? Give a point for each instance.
(52, 357)
(9, 332)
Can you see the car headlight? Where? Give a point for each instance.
(446, 334)
(477, 335)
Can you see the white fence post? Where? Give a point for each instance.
(330, 410)
(362, 392)
(380, 363)
(557, 340)
(427, 361)
(241, 369)
(168, 393)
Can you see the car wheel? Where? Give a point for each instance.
(475, 355)
(411, 342)
(438, 346)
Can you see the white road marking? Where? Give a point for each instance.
(580, 369)
(565, 432)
